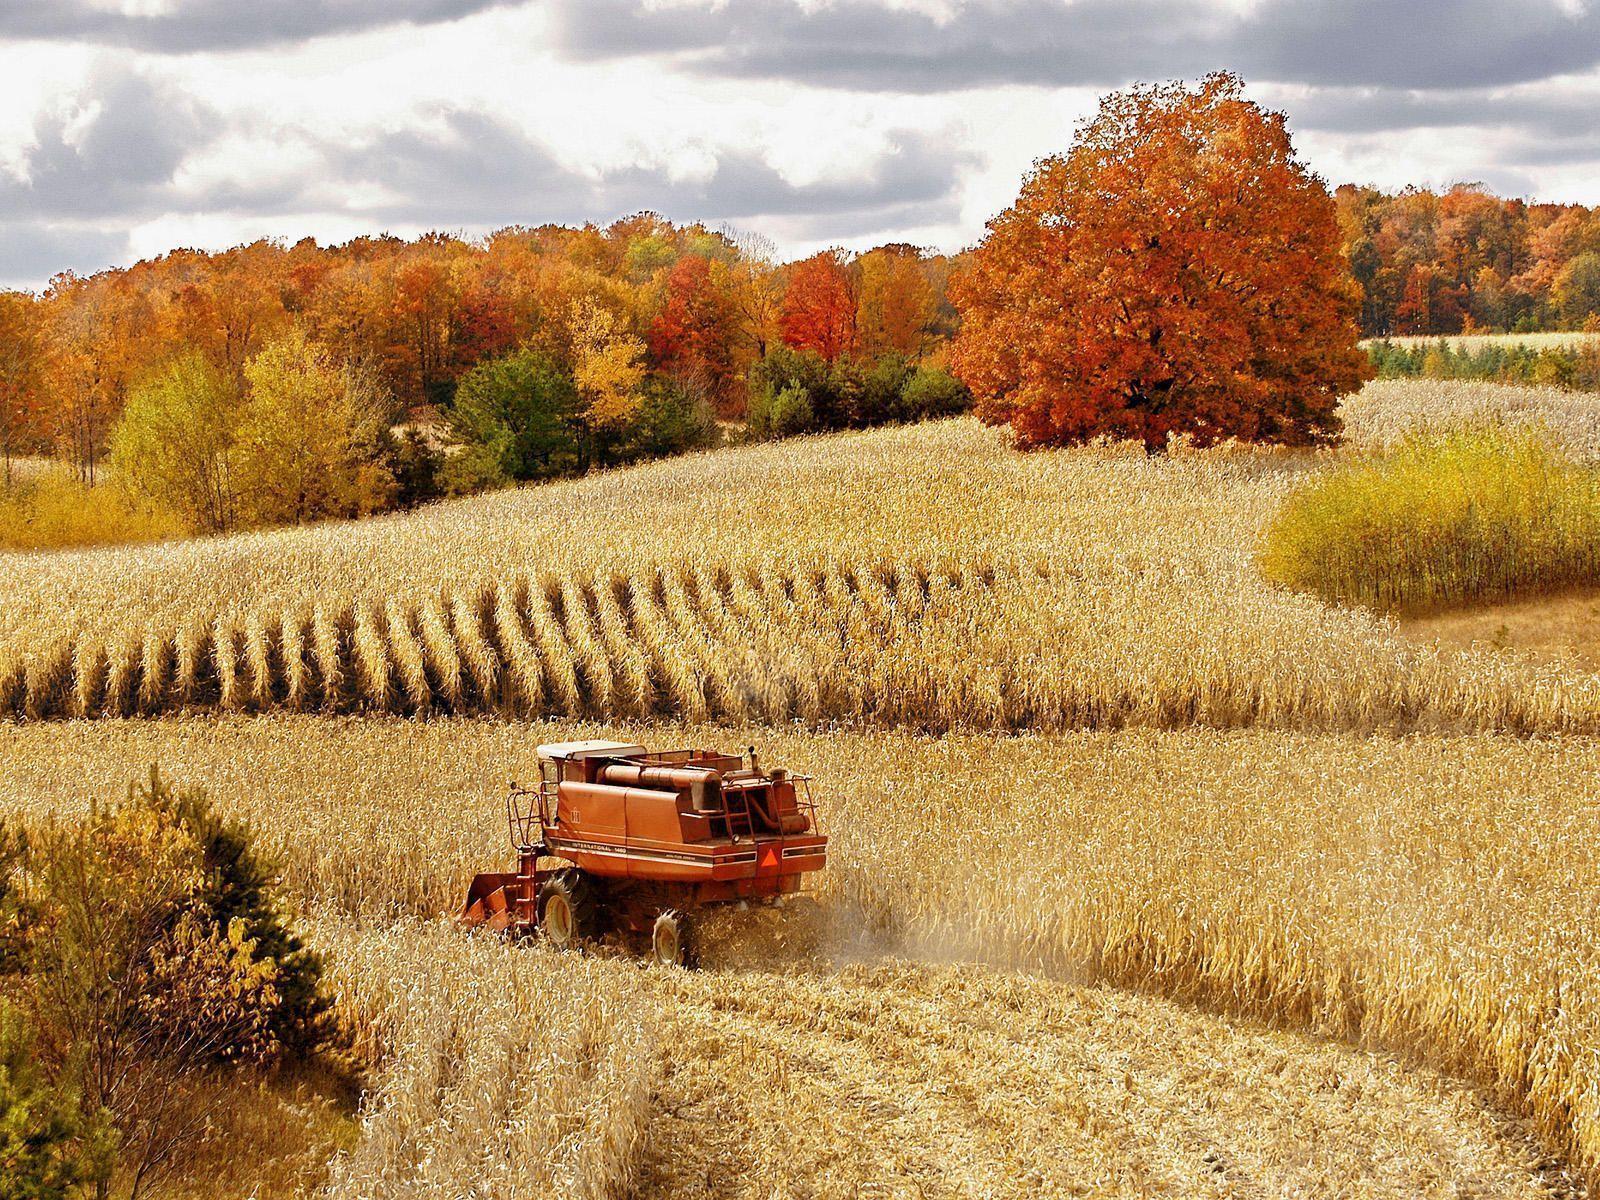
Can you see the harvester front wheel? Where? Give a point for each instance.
(672, 940)
(569, 911)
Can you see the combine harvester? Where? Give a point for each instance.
(644, 840)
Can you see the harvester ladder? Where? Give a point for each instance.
(549, 797)
(744, 812)
(525, 903)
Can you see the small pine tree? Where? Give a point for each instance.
(238, 885)
(49, 1148)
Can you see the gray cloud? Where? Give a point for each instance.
(118, 162)
(198, 25)
(861, 45)
(477, 170)
(463, 169)
(1383, 110)
(1553, 152)
(1541, 127)
(32, 251)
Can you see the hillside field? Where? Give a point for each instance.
(1147, 878)
(1293, 883)
(1479, 341)
(923, 576)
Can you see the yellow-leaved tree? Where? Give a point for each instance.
(608, 369)
(308, 436)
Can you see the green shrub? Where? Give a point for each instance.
(1478, 513)
(810, 383)
(50, 1149)
(879, 387)
(797, 391)
(932, 393)
(782, 413)
(415, 463)
(515, 415)
(670, 419)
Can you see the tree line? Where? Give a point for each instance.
(1466, 260)
(1212, 292)
(272, 383)
(1575, 367)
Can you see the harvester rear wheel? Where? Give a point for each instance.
(569, 910)
(672, 940)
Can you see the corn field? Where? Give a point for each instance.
(1066, 736)
(924, 577)
(1328, 883)
(508, 1073)
(1386, 412)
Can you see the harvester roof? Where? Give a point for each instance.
(559, 751)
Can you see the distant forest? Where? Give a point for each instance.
(699, 309)
(1466, 261)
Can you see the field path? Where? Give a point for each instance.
(894, 1079)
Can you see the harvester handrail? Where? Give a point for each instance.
(520, 822)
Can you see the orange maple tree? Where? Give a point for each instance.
(1177, 272)
(819, 306)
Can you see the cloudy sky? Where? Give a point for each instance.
(128, 127)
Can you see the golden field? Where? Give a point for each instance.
(1148, 878)
(925, 577)
(1335, 884)
(1388, 410)
(1480, 341)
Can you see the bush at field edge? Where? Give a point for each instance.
(56, 512)
(1477, 513)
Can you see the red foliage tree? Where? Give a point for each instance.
(1178, 272)
(819, 306)
(692, 337)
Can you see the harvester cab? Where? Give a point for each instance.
(615, 837)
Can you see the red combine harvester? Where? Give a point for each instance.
(644, 840)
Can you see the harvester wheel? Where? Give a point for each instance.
(672, 940)
(569, 911)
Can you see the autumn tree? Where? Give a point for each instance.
(756, 288)
(1576, 292)
(896, 303)
(608, 370)
(692, 337)
(819, 306)
(1177, 272)
(308, 436)
(94, 329)
(486, 322)
(425, 297)
(233, 306)
(21, 376)
(177, 442)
